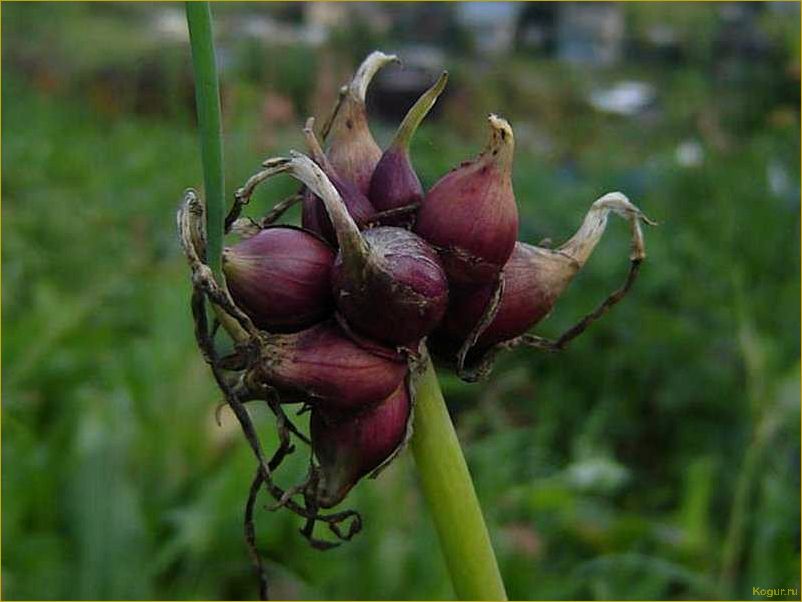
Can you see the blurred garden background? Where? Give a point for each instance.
(656, 458)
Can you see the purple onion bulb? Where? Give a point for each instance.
(388, 283)
(352, 446)
(402, 293)
(281, 278)
(352, 150)
(534, 278)
(314, 216)
(470, 214)
(394, 183)
(326, 366)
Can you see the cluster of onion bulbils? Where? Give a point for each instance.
(334, 315)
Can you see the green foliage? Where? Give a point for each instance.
(658, 457)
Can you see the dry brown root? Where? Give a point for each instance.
(285, 448)
(227, 372)
(250, 537)
(636, 257)
(531, 340)
(266, 468)
(190, 218)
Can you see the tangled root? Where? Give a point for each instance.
(228, 371)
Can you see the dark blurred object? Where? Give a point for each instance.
(659, 44)
(396, 87)
(739, 37)
(491, 24)
(746, 58)
(537, 27)
(591, 32)
(154, 86)
(577, 32)
(430, 24)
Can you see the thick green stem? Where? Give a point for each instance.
(207, 98)
(449, 491)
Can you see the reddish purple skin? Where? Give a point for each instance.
(311, 217)
(402, 302)
(281, 278)
(350, 447)
(324, 363)
(314, 216)
(395, 184)
(523, 304)
(471, 217)
(352, 151)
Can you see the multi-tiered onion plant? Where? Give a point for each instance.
(339, 316)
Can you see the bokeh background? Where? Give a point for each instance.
(658, 457)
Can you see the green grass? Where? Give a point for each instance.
(609, 471)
